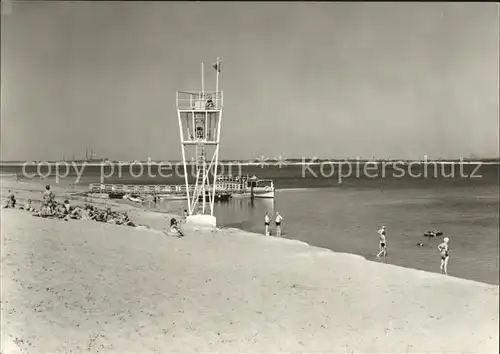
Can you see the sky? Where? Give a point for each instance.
(338, 79)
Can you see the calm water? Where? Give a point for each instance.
(346, 220)
(345, 216)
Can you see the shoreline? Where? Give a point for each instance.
(150, 218)
(85, 286)
(360, 257)
(88, 286)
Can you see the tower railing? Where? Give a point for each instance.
(208, 100)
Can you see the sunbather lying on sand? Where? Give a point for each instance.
(27, 206)
(52, 209)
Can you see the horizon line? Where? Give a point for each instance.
(258, 161)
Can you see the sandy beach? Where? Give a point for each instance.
(80, 286)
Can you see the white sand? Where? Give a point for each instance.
(81, 286)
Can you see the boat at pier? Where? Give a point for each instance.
(246, 187)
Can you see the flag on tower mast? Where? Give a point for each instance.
(216, 66)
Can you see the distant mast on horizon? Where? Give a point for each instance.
(89, 157)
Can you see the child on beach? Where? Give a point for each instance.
(67, 207)
(445, 255)
(267, 220)
(174, 229)
(28, 206)
(382, 242)
(11, 202)
(46, 210)
(278, 221)
(126, 220)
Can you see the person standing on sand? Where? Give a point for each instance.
(185, 214)
(444, 249)
(11, 202)
(382, 243)
(278, 221)
(48, 202)
(267, 220)
(48, 196)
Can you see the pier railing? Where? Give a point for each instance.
(136, 189)
(159, 189)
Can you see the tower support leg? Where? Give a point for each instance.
(202, 221)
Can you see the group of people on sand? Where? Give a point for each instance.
(267, 223)
(50, 208)
(90, 212)
(443, 249)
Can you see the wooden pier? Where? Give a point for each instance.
(137, 189)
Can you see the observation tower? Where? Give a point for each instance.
(200, 114)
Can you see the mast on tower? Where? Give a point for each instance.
(199, 114)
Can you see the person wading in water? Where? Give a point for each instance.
(383, 242)
(278, 221)
(267, 220)
(444, 249)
